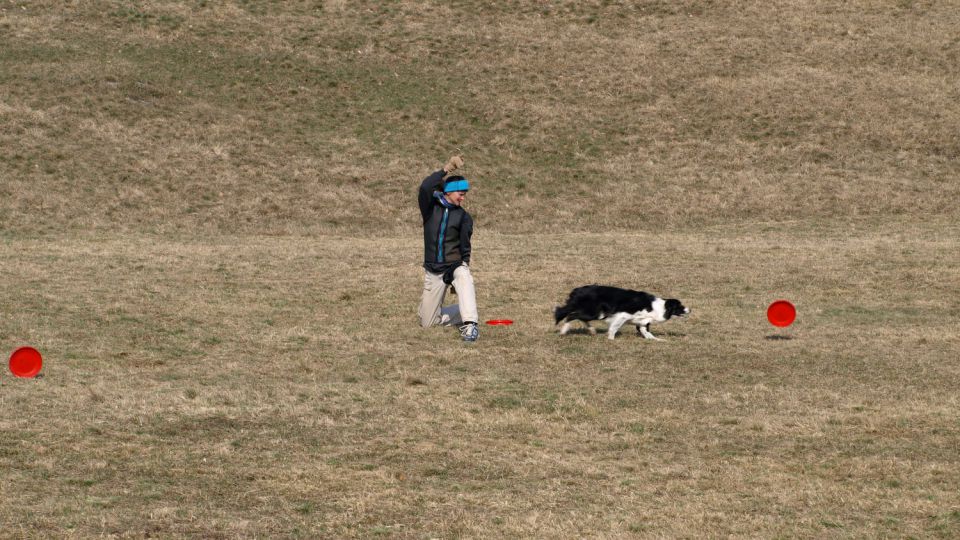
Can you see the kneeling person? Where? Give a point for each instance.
(447, 228)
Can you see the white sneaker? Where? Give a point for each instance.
(469, 332)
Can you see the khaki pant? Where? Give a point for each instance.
(434, 289)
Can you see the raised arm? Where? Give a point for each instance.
(434, 182)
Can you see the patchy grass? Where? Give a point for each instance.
(207, 227)
(253, 386)
(303, 117)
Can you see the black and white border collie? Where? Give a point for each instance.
(617, 306)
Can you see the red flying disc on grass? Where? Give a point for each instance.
(500, 322)
(25, 362)
(781, 313)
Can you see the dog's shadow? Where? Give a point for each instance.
(621, 333)
(583, 332)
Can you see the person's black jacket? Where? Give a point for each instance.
(446, 229)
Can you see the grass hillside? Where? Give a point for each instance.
(208, 229)
(264, 116)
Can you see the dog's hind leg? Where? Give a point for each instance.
(616, 322)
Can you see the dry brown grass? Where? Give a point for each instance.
(207, 227)
(261, 386)
(301, 117)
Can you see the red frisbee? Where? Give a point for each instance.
(25, 362)
(500, 322)
(781, 313)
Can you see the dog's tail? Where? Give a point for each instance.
(560, 313)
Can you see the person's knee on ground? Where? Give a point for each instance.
(431, 300)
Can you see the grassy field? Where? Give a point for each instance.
(298, 117)
(208, 228)
(255, 387)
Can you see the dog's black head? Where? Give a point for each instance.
(673, 308)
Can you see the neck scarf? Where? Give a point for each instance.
(443, 200)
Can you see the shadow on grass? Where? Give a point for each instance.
(778, 337)
(602, 332)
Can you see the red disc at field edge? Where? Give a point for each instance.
(25, 362)
(781, 313)
(500, 322)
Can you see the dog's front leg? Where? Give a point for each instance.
(645, 332)
(615, 323)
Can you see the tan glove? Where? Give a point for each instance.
(453, 164)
